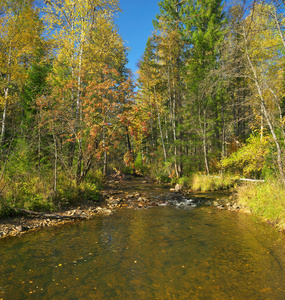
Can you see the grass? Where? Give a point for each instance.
(212, 183)
(32, 192)
(266, 200)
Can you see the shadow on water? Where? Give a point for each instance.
(164, 252)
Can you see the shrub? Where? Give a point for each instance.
(250, 159)
(95, 176)
(5, 208)
(128, 170)
(185, 181)
(264, 199)
(89, 192)
(140, 166)
(29, 191)
(212, 183)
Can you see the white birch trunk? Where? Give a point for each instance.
(6, 93)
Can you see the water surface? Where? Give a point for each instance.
(156, 253)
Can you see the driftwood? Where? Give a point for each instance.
(44, 215)
(241, 179)
(251, 180)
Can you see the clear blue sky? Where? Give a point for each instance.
(135, 26)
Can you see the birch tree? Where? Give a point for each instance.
(262, 48)
(19, 37)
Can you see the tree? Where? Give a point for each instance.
(264, 70)
(20, 34)
(181, 67)
(90, 60)
(204, 30)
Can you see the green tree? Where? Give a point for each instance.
(204, 29)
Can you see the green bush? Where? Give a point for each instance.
(140, 166)
(128, 170)
(250, 159)
(185, 181)
(29, 192)
(38, 203)
(96, 177)
(163, 178)
(5, 208)
(160, 172)
(89, 192)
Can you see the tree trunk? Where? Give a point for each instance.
(105, 153)
(129, 146)
(6, 92)
(205, 150)
(160, 128)
(174, 136)
(39, 142)
(78, 116)
(203, 128)
(71, 144)
(55, 160)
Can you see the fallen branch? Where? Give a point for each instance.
(241, 179)
(44, 215)
(252, 180)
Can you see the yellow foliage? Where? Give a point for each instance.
(265, 49)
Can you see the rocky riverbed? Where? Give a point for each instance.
(113, 197)
(135, 193)
(26, 222)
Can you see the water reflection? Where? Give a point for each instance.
(157, 253)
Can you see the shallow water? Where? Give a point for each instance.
(157, 253)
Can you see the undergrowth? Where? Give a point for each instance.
(33, 192)
(212, 183)
(266, 200)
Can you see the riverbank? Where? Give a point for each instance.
(136, 193)
(265, 199)
(24, 221)
(127, 193)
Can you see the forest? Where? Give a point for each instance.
(208, 99)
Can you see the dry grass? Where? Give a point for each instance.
(36, 193)
(212, 183)
(266, 200)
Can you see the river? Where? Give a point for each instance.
(165, 252)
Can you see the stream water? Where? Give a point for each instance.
(166, 252)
